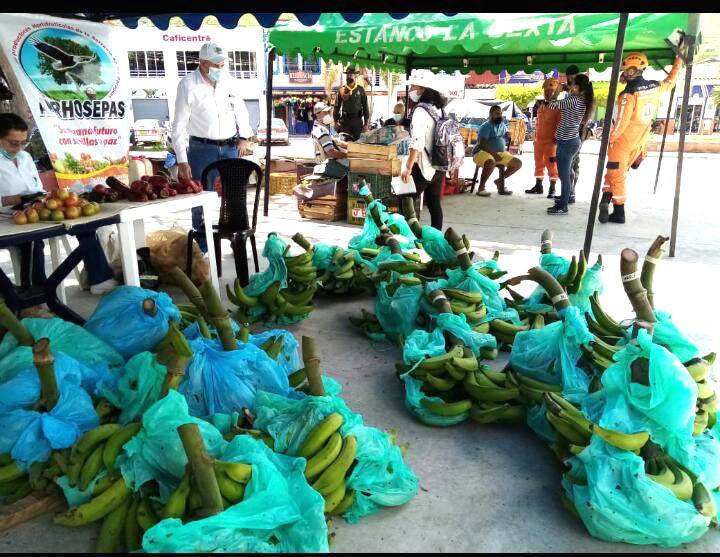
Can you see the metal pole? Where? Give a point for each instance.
(690, 38)
(268, 106)
(408, 69)
(662, 145)
(612, 93)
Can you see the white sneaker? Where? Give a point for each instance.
(104, 287)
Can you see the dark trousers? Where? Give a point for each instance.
(566, 150)
(432, 189)
(352, 126)
(98, 269)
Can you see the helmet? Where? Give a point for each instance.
(635, 60)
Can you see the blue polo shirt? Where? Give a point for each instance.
(495, 135)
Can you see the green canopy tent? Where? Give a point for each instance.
(495, 42)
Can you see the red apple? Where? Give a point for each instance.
(72, 202)
(20, 218)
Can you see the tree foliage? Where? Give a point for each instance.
(69, 46)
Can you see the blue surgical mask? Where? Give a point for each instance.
(7, 155)
(397, 117)
(214, 74)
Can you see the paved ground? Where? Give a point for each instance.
(483, 488)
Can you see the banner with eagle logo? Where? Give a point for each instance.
(77, 91)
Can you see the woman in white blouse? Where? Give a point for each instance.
(425, 90)
(19, 177)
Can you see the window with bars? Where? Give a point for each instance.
(187, 61)
(146, 63)
(296, 64)
(376, 79)
(242, 64)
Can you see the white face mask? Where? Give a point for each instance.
(414, 96)
(397, 117)
(327, 119)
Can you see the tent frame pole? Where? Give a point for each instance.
(268, 107)
(690, 38)
(662, 145)
(612, 93)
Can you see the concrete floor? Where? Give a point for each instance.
(482, 488)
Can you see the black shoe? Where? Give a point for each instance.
(551, 191)
(571, 199)
(149, 278)
(618, 214)
(557, 210)
(604, 207)
(537, 188)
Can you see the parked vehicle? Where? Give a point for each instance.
(148, 131)
(278, 134)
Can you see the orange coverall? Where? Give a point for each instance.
(544, 144)
(636, 106)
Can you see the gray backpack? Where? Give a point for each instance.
(448, 150)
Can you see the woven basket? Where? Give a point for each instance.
(282, 183)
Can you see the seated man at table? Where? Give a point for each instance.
(328, 149)
(490, 152)
(19, 177)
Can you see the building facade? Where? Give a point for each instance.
(159, 59)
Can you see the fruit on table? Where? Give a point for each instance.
(61, 194)
(45, 214)
(73, 212)
(58, 215)
(32, 216)
(52, 204)
(20, 218)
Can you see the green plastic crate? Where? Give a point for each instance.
(380, 186)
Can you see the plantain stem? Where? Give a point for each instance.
(300, 240)
(546, 242)
(175, 355)
(244, 334)
(190, 290)
(204, 330)
(635, 291)
(648, 269)
(201, 466)
(555, 291)
(45, 365)
(312, 367)
(457, 244)
(218, 316)
(13, 324)
(408, 209)
(149, 307)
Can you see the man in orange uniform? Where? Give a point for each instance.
(544, 145)
(636, 107)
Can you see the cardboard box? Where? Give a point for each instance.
(369, 151)
(390, 167)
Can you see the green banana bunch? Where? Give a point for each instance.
(502, 413)
(367, 322)
(505, 332)
(604, 321)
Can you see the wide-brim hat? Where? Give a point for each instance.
(429, 80)
(351, 69)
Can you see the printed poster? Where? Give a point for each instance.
(77, 91)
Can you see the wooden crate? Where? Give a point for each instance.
(282, 182)
(28, 508)
(389, 167)
(369, 151)
(323, 208)
(282, 165)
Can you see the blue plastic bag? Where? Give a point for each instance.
(370, 231)
(621, 504)
(434, 243)
(289, 357)
(29, 436)
(120, 320)
(65, 337)
(398, 313)
(667, 334)
(550, 354)
(276, 271)
(421, 344)
(537, 421)
(278, 503)
(226, 381)
(157, 453)
(137, 388)
(380, 478)
(458, 326)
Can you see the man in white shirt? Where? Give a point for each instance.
(211, 122)
(19, 177)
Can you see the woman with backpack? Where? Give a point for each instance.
(574, 109)
(426, 91)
